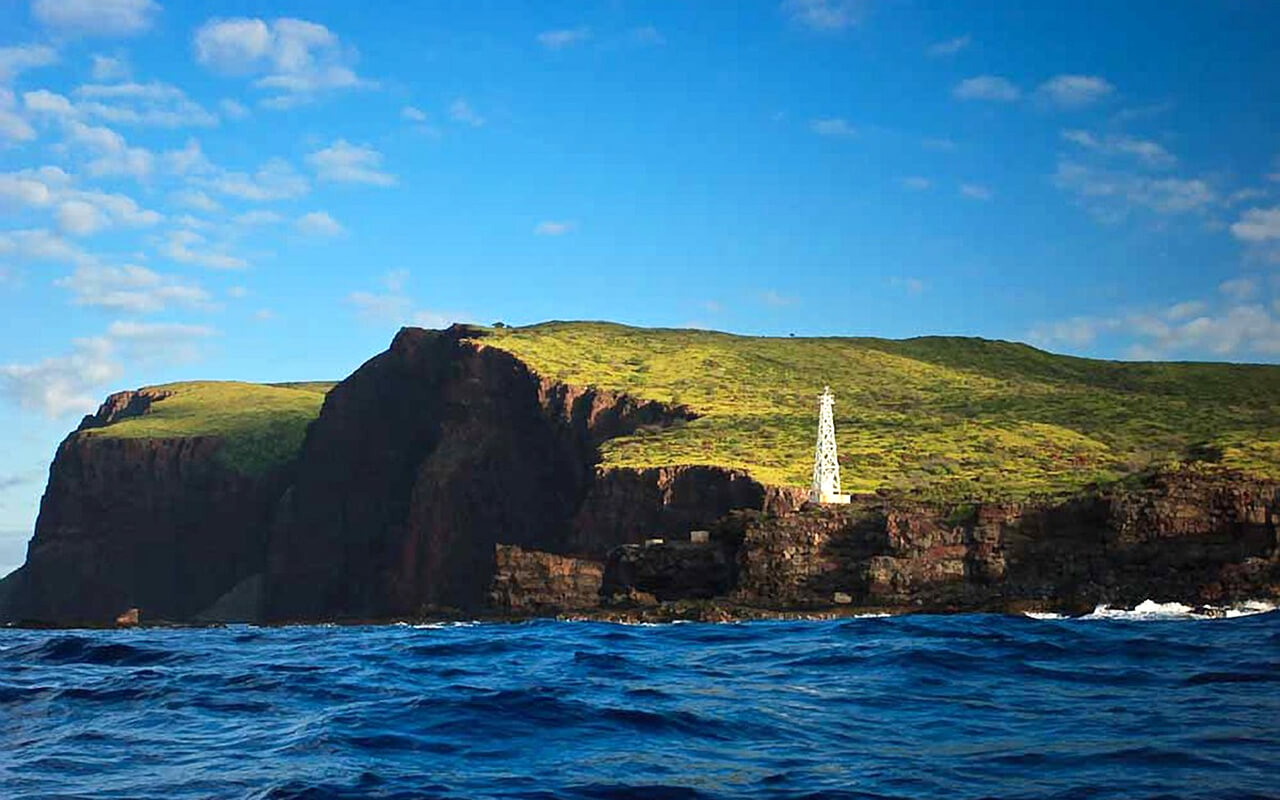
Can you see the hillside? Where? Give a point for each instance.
(945, 417)
(261, 425)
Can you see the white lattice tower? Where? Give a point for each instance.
(826, 464)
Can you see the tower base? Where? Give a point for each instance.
(830, 499)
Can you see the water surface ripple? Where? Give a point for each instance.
(960, 706)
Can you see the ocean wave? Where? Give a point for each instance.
(1152, 610)
(914, 706)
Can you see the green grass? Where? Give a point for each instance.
(949, 418)
(261, 425)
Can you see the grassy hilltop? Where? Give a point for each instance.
(952, 418)
(949, 417)
(261, 425)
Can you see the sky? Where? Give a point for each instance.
(267, 191)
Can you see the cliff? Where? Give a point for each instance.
(471, 471)
(161, 524)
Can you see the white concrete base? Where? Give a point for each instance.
(831, 499)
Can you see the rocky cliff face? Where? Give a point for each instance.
(438, 451)
(535, 582)
(1187, 535)
(444, 474)
(160, 525)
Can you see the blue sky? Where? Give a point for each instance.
(208, 190)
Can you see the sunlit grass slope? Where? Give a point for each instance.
(945, 417)
(261, 425)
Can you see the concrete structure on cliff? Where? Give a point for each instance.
(826, 466)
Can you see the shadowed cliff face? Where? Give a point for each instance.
(157, 524)
(425, 459)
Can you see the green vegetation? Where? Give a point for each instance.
(261, 426)
(949, 418)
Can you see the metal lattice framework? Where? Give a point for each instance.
(826, 466)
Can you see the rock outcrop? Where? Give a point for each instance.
(1187, 535)
(535, 582)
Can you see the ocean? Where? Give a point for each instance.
(1156, 703)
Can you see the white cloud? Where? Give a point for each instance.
(1111, 195)
(233, 109)
(413, 114)
(916, 183)
(1187, 329)
(348, 163)
(565, 37)
(392, 306)
(274, 180)
(38, 244)
(834, 127)
(20, 58)
(43, 101)
(1075, 332)
(1238, 288)
(78, 212)
(189, 247)
(253, 219)
(1236, 331)
(294, 60)
(1074, 91)
(114, 156)
(381, 307)
(553, 228)
(975, 191)
(96, 17)
(461, 111)
(158, 342)
(107, 69)
(65, 384)
(1258, 225)
(62, 385)
(130, 289)
(1148, 152)
(78, 218)
(190, 160)
(12, 125)
(318, 224)
(196, 199)
(950, 47)
(986, 87)
(1186, 310)
(158, 104)
(824, 15)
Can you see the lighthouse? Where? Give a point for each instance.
(826, 466)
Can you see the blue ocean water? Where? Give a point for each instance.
(907, 707)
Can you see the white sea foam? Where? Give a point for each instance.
(1151, 610)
